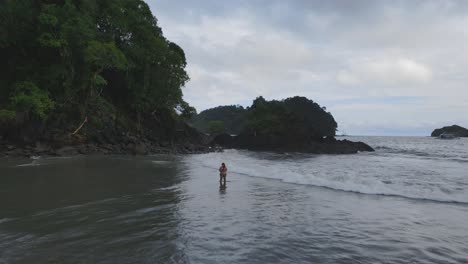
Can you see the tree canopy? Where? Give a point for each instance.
(63, 56)
(295, 117)
(291, 117)
(216, 127)
(232, 118)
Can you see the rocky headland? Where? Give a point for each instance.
(454, 130)
(271, 143)
(189, 142)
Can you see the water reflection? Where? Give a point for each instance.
(141, 210)
(98, 209)
(222, 188)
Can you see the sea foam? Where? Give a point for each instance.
(366, 173)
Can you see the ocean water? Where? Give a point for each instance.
(405, 203)
(412, 167)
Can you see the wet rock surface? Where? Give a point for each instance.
(272, 143)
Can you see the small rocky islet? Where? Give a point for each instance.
(454, 130)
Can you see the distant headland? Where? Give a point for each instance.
(84, 78)
(295, 124)
(454, 130)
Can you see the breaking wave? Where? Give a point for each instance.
(366, 173)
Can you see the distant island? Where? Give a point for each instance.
(293, 124)
(454, 130)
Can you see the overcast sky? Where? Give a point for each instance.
(380, 67)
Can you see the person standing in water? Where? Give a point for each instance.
(222, 173)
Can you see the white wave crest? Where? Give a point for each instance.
(366, 174)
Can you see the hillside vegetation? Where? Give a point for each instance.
(222, 119)
(294, 124)
(291, 117)
(79, 69)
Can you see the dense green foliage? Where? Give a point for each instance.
(232, 118)
(295, 117)
(68, 56)
(216, 127)
(27, 97)
(292, 117)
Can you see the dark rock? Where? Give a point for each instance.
(164, 144)
(140, 149)
(41, 147)
(454, 130)
(108, 147)
(66, 151)
(82, 149)
(91, 148)
(130, 148)
(275, 143)
(105, 135)
(18, 152)
(225, 140)
(132, 139)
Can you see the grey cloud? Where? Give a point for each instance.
(328, 51)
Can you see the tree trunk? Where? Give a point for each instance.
(82, 124)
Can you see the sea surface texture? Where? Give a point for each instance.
(405, 203)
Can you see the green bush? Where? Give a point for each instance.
(216, 127)
(28, 97)
(7, 115)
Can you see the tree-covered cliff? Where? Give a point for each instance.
(295, 117)
(293, 124)
(79, 64)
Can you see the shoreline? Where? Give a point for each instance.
(269, 143)
(143, 146)
(63, 203)
(44, 149)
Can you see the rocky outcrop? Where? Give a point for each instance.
(273, 143)
(134, 146)
(105, 138)
(454, 130)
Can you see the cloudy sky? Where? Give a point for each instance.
(380, 67)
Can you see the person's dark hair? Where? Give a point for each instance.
(223, 164)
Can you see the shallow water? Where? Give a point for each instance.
(405, 203)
